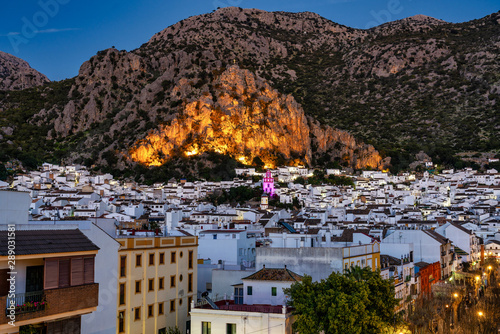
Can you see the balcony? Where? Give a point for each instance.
(63, 302)
(26, 302)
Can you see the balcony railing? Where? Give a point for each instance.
(81, 299)
(26, 302)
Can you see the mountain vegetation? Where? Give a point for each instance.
(417, 84)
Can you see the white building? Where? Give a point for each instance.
(258, 306)
(230, 247)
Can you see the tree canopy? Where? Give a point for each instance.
(359, 301)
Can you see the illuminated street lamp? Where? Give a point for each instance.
(489, 267)
(455, 295)
(480, 313)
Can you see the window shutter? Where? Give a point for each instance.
(89, 270)
(64, 273)
(77, 271)
(51, 274)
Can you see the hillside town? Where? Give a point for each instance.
(121, 257)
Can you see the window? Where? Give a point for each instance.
(138, 260)
(172, 281)
(161, 283)
(249, 290)
(137, 313)
(137, 286)
(190, 299)
(238, 296)
(172, 305)
(152, 259)
(172, 257)
(121, 322)
(206, 327)
(123, 265)
(150, 311)
(160, 308)
(122, 293)
(162, 258)
(190, 282)
(151, 284)
(274, 291)
(230, 328)
(190, 260)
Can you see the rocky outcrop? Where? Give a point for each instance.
(405, 86)
(16, 74)
(245, 118)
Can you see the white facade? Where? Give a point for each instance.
(244, 321)
(319, 262)
(462, 238)
(262, 292)
(231, 247)
(14, 207)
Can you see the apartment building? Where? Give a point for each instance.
(50, 284)
(156, 283)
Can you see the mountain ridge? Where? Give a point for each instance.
(379, 85)
(17, 74)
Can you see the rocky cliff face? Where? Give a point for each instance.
(417, 84)
(245, 118)
(16, 74)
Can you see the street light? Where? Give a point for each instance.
(489, 267)
(455, 295)
(480, 313)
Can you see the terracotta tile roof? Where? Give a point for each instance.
(274, 274)
(47, 241)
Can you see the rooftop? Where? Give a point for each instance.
(229, 305)
(274, 274)
(47, 241)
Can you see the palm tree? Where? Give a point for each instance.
(358, 273)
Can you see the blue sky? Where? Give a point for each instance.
(57, 36)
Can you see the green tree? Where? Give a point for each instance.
(3, 172)
(173, 330)
(359, 301)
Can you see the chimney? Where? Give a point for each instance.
(285, 266)
(263, 266)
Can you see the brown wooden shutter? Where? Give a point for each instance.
(77, 271)
(64, 273)
(89, 270)
(51, 274)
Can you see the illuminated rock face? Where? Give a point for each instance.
(245, 118)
